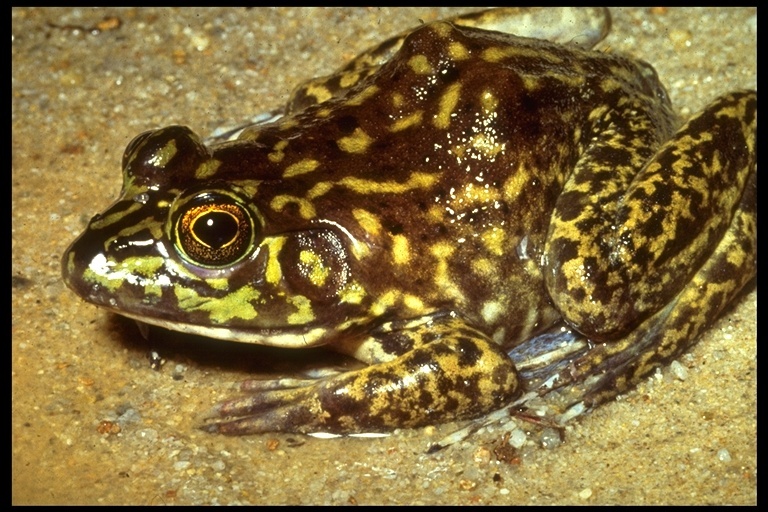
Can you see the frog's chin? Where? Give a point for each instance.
(292, 337)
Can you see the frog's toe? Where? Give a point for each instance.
(265, 410)
(270, 405)
(259, 414)
(279, 419)
(259, 385)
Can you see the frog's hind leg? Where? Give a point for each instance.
(643, 279)
(625, 238)
(670, 331)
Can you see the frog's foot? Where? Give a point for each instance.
(279, 405)
(449, 379)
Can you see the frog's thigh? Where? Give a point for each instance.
(620, 255)
(674, 328)
(459, 374)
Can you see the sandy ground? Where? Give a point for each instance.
(78, 98)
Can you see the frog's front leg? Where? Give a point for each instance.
(448, 370)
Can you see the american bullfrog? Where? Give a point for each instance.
(437, 209)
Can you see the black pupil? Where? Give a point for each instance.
(216, 229)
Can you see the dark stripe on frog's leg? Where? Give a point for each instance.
(461, 375)
(618, 256)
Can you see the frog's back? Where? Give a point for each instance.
(450, 156)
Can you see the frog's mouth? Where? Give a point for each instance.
(286, 337)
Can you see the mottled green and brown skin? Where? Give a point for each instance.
(453, 194)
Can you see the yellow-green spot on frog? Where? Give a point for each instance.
(357, 142)
(207, 169)
(236, 304)
(301, 167)
(436, 209)
(313, 267)
(138, 271)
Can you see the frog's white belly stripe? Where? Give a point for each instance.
(276, 337)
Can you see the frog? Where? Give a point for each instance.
(436, 210)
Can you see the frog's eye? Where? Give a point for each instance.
(213, 230)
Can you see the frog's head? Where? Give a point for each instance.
(185, 249)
